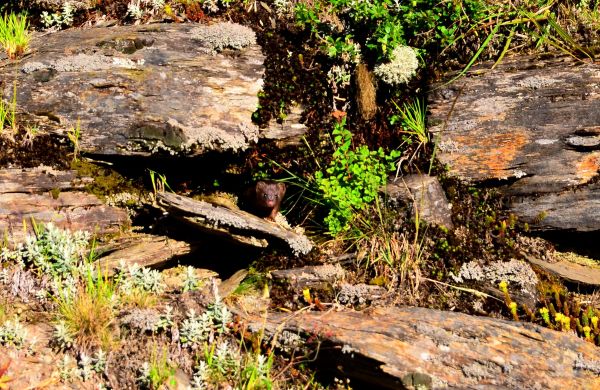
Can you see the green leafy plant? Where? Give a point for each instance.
(157, 372)
(385, 24)
(160, 184)
(353, 178)
(8, 112)
(65, 18)
(51, 250)
(14, 37)
(412, 117)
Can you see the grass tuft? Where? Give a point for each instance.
(14, 36)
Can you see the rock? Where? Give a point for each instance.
(43, 195)
(287, 133)
(521, 279)
(570, 267)
(316, 276)
(138, 90)
(234, 223)
(426, 196)
(529, 127)
(398, 348)
(143, 249)
(227, 287)
(359, 294)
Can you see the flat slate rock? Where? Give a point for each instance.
(43, 195)
(144, 250)
(180, 89)
(233, 222)
(531, 127)
(425, 195)
(410, 347)
(563, 266)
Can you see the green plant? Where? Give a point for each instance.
(190, 280)
(160, 184)
(412, 117)
(133, 278)
(51, 250)
(14, 36)
(12, 333)
(74, 135)
(353, 178)
(65, 18)
(157, 372)
(8, 112)
(385, 24)
(88, 312)
(256, 373)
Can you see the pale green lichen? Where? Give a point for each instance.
(401, 68)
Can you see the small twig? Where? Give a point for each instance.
(464, 289)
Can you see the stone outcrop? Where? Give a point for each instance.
(179, 89)
(530, 127)
(407, 348)
(43, 194)
(235, 224)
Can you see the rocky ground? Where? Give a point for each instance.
(131, 257)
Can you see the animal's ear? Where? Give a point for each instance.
(260, 185)
(281, 187)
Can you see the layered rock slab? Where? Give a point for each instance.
(42, 195)
(401, 348)
(531, 126)
(137, 90)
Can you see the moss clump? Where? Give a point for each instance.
(105, 180)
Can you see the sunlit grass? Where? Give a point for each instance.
(14, 36)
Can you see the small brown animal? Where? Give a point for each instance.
(265, 198)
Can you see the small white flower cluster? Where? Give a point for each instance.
(401, 68)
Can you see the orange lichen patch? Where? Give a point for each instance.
(488, 157)
(587, 167)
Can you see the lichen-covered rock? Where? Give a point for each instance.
(519, 276)
(219, 36)
(141, 90)
(425, 195)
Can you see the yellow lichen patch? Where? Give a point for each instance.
(587, 167)
(489, 156)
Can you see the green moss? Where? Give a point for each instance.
(55, 192)
(105, 181)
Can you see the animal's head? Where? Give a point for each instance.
(270, 193)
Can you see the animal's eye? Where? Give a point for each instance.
(265, 196)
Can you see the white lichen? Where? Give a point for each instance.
(402, 67)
